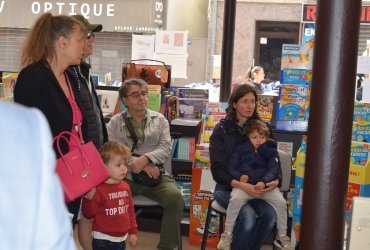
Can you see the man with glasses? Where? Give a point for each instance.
(83, 89)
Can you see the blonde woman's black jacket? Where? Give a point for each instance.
(37, 87)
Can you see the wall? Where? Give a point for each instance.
(191, 15)
(247, 13)
(188, 15)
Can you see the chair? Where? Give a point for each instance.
(141, 201)
(214, 206)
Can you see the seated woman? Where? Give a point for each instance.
(154, 146)
(257, 218)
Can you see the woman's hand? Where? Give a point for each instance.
(152, 171)
(271, 185)
(139, 164)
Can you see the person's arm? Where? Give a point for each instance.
(114, 129)
(218, 157)
(28, 89)
(269, 152)
(90, 206)
(133, 225)
(234, 164)
(161, 153)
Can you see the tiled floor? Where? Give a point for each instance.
(147, 241)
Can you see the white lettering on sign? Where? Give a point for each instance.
(60, 7)
(309, 32)
(2, 6)
(86, 9)
(158, 6)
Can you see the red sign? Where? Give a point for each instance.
(309, 14)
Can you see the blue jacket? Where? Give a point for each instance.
(260, 166)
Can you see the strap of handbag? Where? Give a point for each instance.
(74, 111)
(130, 130)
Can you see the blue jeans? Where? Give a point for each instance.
(108, 245)
(255, 221)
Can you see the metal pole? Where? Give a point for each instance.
(227, 49)
(330, 124)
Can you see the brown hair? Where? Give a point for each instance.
(123, 90)
(40, 43)
(111, 148)
(259, 126)
(238, 92)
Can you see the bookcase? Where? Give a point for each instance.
(181, 169)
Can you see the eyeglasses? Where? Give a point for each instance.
(90, 34)
(137, 95)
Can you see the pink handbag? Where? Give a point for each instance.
(79, 170)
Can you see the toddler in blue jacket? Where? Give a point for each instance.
(256, 161)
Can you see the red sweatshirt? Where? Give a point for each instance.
(113, 209)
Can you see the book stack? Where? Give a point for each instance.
(185, 148)
(359, 170)
(294, 95)
(170, 107)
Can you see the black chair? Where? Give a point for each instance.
(215, 207)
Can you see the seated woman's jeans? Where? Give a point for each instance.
(255, 221)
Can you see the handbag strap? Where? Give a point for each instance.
(74, 111)
(131, 130)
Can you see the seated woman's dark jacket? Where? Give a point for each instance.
(260, 166)
(226, 135)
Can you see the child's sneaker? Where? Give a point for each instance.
(225, 241)
(283, 242)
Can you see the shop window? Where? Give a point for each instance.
(270, 36)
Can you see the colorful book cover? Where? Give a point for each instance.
(359, 153)
(198, 94)
(361, 112)
(265, 107)
(192, 102)
(290, 57)
(8, 83)
(297, 56)
(202, 159)
(216, 107)
(291, 108)
(190, 108)
(207, 132)
(361, 132)
(359, 174)
(297, 76)
(295, 89)
(353, 190)
(154, 101)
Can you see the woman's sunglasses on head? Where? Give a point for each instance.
(90, 34)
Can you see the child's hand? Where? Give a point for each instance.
(260, 185)
(244, 178)
(89, 195)
(133, 239)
